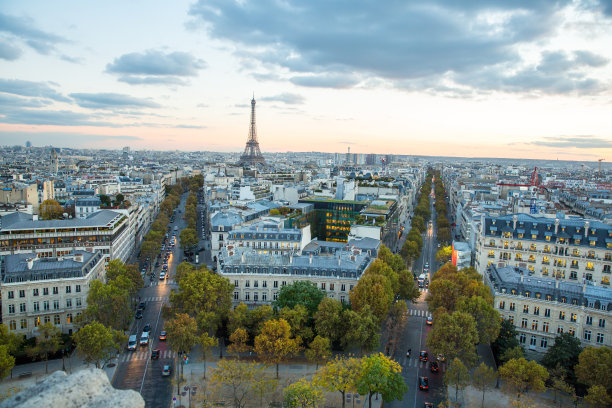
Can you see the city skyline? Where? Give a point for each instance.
(523, 80)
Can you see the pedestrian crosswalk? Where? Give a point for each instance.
(158, 282)
(145, 354)
(415, 362)
(155, 299)
(419, 313)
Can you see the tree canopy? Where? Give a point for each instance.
(381, 375)
(97, 343)
(300, 292)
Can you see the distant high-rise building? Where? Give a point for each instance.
(252, 154)
(53, 166)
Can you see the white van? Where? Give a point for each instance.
(144, 338)
(132, 341)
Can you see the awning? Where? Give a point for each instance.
(493, 228)
(595, 239)
(548, 233)
(534, 232)
(520, 230)
(577, 236)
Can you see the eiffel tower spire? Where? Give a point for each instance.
(252, 154)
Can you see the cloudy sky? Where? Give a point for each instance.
(483, 78)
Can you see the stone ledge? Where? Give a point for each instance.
(88, 388)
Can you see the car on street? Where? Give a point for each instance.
(147, 327)
(423, 383)
(155, 354)
(429, 321)
(138, 314)
(434, 366)
(163, 335)
(441, 357)
(144, 338)
(166, 371)
(423, 356)
(132, 343)
(162, 275)
(142, 305)
(429, 405)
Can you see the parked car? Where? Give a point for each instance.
(138, 314)
(142, 305)
(423, 356)
(166, 371)
(423, 383)
(147, 327)
(155, 354)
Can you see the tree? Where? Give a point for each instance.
(381, 375)
(239, 339)
(11, 340)
(457, 376)
(442, 293)
(237, 376)
(454, 335)
(418, 222)
(150, 249)
(117, 268)
(410, 250)
(184, 268)
(300, 292)
(340, 375)
(302, 394)
(444, 254)
(361, 328)
(7, 361)
(119, 198)
(565, 353)
(487, 318)
(557, 381)
(506, 338)
(398, 311)
(328, 319)
(299, 320)
(105, 200)
(274, 344)
(50, 210)
(98, 344)
(594, 367)
(257, 317)
(444, 234)
(188, 238)
(263, 385)
(319, 350)
(48, 341)
(513, 353)
(238, 318)
(182, 336)
(206, 342)
(483, 379)
(521, 376)
(109, 304)
(407, 287)
(597, 397)
(375, 291)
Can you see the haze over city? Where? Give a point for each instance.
(528, 79)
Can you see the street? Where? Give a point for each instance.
(135, 369)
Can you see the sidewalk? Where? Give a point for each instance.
(25, 375)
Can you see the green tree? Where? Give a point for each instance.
(184, 268)
(513, 353)
(236, 375)
(375, 291)
(360, 328)
(444, 235)
(109, 304)
(239, 342)
(117, 268)
(410, 251)
(275, 343)
(300, 293)
(299, 320)
(328, 319)
(206, 342)
(557, 381)
(381, 375)
(487, 319)
(506, 338)
(594, 367)
(150, 249)
(521, 376)
(483, 379)
(238, 318)
(11, 340)
(182, 336)
(257, 317)
(50, 210)
(597, 397)
(48, 341)
(444, 254)
(407, 287)
(454, 335)
(565, 353)
(119, 198)
(457, 376)
(7, 361)
(263, 385)
(318, 350)
(98, 344)
(442, 293)
(105, 200)
(340, 375)
(188, 238)
(394, 261)
(418, 222)
(303, 394)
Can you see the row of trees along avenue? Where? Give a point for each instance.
(412, 247)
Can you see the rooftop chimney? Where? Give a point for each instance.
(587, 225)
(78, 257)
(30, 262)
(242, 258)
(310, 259)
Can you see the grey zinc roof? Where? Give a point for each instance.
(227, 219)
(16, 267)
(101, 218)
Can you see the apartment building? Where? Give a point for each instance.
(39, 290)
(569, 249)
(542, 308)
(107, 231)
(269, 236)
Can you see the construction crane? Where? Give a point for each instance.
(600, 160)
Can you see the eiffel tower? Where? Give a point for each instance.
(252, 154)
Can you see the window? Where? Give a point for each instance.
(600, 338)
(525, 309)
(46, 291)
(255, 284)
(544, 343)
(589, 320)
(533, 341)
(77, 288)
(602, 322)
(247, 296)
(11, 309)
(235, 283)
(22, 307)
(36, 321)
(56, 305)
(323, 286)
(284, 283)
(275, 284)
(23, 323)
(13, 325)
(502, 305)
(47, 319)
(331, 286)
(69, 318)
(534, 325)
(22, 293)
(36, 306)
(35, 292)
(512, 307)
(511, 319)
(275, 296)
(536, 310)
(561, 315)
(79, 302)
(545, 327)
(68, 303)
(342, 299)
(522, 338)
(56, 319)
(343, 287)
(587, 335)
(524, 324)
(46, 305)
(264, 284)
(236, 294)
(571, 331)
(255, 296)
(560, 330)
(573, 317)
(55, 290)
(264, 297)
(546, 312)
